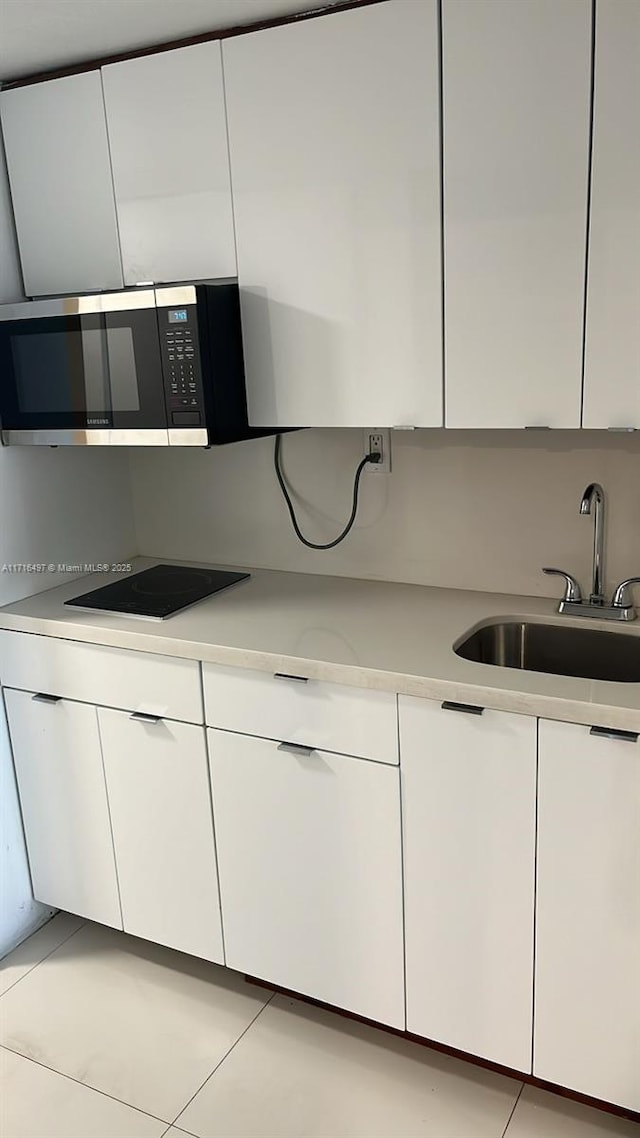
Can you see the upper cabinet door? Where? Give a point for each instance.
(516, 146)
(612, 362)
(60, 174)
(334, 142)
(168, 137)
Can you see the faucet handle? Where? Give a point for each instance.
(622, 595)
(573, 591)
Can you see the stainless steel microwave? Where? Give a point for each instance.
(144, 367)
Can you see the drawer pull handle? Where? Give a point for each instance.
(297, 749)
(468, 708)
(294, 679)
(142, 717)
(612, 733)
(42, 697)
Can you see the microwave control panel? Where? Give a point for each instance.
(181, 365)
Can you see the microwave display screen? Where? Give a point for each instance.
(178, 315)
(90, 370)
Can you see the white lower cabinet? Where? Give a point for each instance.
(58, 762)
(329, 717)
(309, 852)
(304, 870)
(158, 786)
(587, 1014)
(469, 803)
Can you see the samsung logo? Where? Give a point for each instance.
(98, 422)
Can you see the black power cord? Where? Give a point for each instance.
(373, 457)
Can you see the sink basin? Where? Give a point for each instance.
(587, 653)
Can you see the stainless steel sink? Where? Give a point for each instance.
(562, 651)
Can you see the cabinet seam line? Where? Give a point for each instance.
(107, 706)
(207, 752)
(402, 867)
(535, 896)
(320, 750)
(585, 294)
(226, 131)
(443, 337)
(106, 794)
(113, 180)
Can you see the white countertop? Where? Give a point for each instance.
(373, 634)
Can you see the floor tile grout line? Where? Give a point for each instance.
(513, 1110)
(42, 960)
(87, 1086)
(221, 1061)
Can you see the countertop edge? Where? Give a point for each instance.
(493, 698)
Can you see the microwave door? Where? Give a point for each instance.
(83, 370)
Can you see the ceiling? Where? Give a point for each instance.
(42, 35)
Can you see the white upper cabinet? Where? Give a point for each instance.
(168, 138)
(60, 174)
(587, 1014)
(612, 361)
(334, 143)
(516, 147)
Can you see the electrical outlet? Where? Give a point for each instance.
(380, 441)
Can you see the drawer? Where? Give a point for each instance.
(328, 717)
(93, 673)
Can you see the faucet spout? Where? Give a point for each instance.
(594, 497)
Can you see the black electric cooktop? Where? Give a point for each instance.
(158, 592)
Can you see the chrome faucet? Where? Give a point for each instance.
(594, 492)
(573, 603)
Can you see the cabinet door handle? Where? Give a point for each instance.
(613, 733)
(142, 717)
(296, 749)
(294, 679)
(468, 708)
(42, 697)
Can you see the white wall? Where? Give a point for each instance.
(479, 510)
(62, 506)
(65, 506)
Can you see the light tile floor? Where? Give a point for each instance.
(106, 1036)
